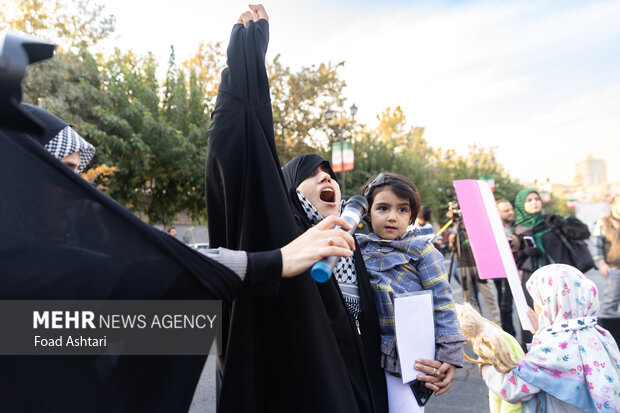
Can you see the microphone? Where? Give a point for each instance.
(354, 210)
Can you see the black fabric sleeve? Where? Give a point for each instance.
(245, 191)
(62, 239)
(264, 272)
(573, 228)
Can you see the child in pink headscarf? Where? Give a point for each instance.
(573, 364)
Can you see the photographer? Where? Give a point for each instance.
(466, 268)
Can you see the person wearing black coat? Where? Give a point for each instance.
(542, 236)
(292, 346)
(543, 240)
(314, 193)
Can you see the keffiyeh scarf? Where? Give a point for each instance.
(68, 141)
(344, 271)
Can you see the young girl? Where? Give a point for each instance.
(573, 364)
(494, 347)
(399, 262)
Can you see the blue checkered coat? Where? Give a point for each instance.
(409, 264)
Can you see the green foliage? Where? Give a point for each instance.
(154, 131)
(299, 101)
(69, 23)
(158, 147)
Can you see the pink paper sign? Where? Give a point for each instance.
(488, 240)
(482, 237)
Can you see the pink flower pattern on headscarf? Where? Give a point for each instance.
(569, 344)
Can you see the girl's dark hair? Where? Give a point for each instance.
(400, 185)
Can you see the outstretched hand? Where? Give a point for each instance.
(320, 241)
(256, 12)
(439, 376)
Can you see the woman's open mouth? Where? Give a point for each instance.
(328, 195)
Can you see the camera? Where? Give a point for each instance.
(17, 51)
(454, 210)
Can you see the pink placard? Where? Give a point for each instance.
(488, 240)
(479, 230)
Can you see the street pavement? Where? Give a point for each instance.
(467, 394)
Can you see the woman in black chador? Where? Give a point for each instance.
(294, 346)
(62, 239)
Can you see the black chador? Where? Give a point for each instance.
(291, 347)
(61, 238)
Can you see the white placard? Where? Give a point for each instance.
(415, 330)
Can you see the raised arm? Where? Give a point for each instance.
(247, 205)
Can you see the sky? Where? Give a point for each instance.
(538, 80)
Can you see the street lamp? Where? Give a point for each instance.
(353, 109)
(329, 114)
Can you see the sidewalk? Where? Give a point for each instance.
(467, 394)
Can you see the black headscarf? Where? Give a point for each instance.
(52, 124)
(300, 167)
(295, 172)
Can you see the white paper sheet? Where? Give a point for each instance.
(415, 330)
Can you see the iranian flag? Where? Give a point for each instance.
(337, 162)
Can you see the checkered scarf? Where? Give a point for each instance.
(67, 142)
(344, 271)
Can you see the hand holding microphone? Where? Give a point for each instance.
(354, 210)
(322, 240)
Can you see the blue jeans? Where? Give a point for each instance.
(612, 293)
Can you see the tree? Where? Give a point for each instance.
(558, 205)
(391, 147)
(64, 85)
(479, 162)
(159, 151)
(207, 65)
(299, 101)
(69, 23)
